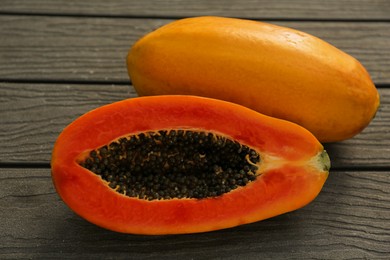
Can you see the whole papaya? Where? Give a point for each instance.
(277, 71)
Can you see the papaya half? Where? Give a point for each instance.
(184, 164)
(277, 71)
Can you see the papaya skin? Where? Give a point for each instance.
(293, 169)
(277, 71)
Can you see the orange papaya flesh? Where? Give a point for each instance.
(277, 71)
(290, 166)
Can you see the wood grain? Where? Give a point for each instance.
(261, 9)
(32, 116)
(41, 48)
(349, 219)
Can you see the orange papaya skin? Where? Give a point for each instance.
(277, 71)
(292, 170)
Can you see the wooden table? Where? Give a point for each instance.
(59, 59)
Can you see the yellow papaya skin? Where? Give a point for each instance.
(277, 71)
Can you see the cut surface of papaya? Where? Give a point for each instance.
(184, 164)
(277, 71)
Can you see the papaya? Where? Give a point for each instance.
(277, 71)
(184, 164)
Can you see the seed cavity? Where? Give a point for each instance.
(169, 164)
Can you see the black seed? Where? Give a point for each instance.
(174, 164)
(113, 184)
(93, 154)
(88, 161)
(103, 151)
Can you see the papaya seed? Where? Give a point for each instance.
(170, 164)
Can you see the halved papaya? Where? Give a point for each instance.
(184, 164)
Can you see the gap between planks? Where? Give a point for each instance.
(175, 17)
(101, 82)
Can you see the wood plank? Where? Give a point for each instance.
(68, 49)
(349, 219)
(32, 116)
(261, 9)
(94, 49)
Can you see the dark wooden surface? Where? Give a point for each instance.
(59, 59)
